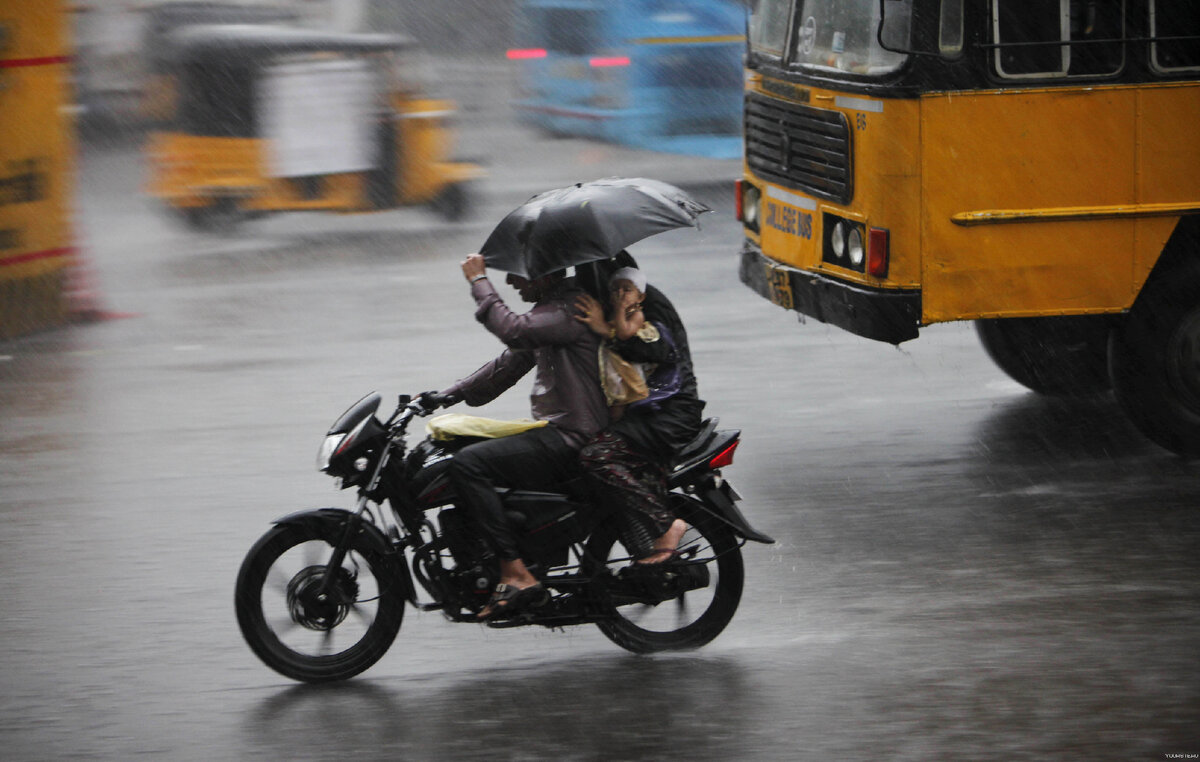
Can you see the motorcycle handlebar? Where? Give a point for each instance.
(420, 406)
(433, 400)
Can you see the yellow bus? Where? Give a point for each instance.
(36, 165)
(1034, 167)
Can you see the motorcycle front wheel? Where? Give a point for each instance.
(678, 606)
(304, 628)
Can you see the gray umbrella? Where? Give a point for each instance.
(586, 222)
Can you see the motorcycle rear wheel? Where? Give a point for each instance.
(300, 633)
(670, 625)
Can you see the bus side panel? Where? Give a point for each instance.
(36, 165)
(1168, 162)
(1029, 150)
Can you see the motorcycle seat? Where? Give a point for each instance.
(697, 445)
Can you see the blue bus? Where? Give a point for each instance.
(662, 75)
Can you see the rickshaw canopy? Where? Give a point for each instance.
(219, 67)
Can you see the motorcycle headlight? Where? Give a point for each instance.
(328, 448)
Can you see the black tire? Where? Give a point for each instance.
(196, 218)
(1155, 362)
(224, 215)
(643, 627)
(296, 635)
(1054, 356)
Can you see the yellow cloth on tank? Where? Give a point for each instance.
(451, 425)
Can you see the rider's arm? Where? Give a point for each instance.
(544, 325)
(494, 378)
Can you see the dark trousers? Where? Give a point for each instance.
(536, 459)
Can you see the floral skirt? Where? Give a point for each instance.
(629, 479)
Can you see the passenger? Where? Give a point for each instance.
(629, 460)
(566, 394)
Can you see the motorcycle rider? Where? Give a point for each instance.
(566, 394)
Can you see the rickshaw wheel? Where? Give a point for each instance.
(223, 215)
(453, 202)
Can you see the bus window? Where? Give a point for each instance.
(1017, 23)
(1175, 18)
(840, 35)
(569, 31)
(950, 27)
(768, 26)
(1096, 28)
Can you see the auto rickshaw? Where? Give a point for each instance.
(270, 119)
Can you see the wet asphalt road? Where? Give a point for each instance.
(964, 571)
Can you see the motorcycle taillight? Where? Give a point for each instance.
(724, 457)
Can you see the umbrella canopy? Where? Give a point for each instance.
(586, 222)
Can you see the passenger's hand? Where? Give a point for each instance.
(591, 314)
(473, 266)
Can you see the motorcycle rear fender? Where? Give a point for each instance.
(721, 501)
(326, 520)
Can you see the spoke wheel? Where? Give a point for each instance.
(677, 606)
(307, 627)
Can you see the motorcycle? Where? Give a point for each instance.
(321, 596)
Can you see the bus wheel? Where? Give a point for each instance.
(1155, 363)
(1055, 356)
(453, 202)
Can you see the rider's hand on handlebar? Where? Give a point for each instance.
(431, 401)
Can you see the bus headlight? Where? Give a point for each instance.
(854, 242)
(844, 242)
(749, 205)
(837, 239)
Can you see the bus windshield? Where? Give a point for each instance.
(832, 36)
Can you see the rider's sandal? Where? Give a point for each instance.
(509, 599)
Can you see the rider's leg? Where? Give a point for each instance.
(536, 459)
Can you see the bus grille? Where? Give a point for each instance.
(799, 147)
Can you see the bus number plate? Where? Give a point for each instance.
(779, 287)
